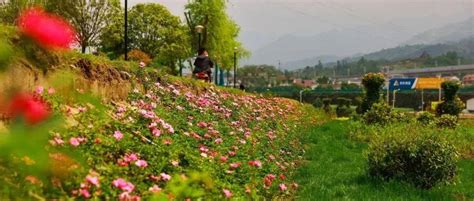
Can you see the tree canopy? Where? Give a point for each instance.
(220, 31)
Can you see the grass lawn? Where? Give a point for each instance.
(336, 170)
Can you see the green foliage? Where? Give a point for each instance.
(420, 157)
(373, 83)
(426, 118)
(318, 103)
(343, 108)
(6, 53)
(155, 31)
(220, 31)
(447, 121)
(89, 17)
(327, 105)
(380, 113)
(258, 75)
(451, 104)
(10, 9)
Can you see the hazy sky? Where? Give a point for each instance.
(263, 21)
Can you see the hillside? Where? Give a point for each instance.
(121, 132)
(450, 33)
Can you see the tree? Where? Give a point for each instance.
(89, 17)
(220, 32)
(155, 31)
(9, 10)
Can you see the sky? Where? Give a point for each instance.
(264, 21)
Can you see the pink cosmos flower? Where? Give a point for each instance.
(218, 141)
(123, 185)
(118, 135)
(283, 187)
(255, 163)
(227, 193)
(74, 142)
(84, 193)
(141, 163)
(142, 64)
(165, 177)
(93, 180)
(224, 158)
(130, 157)
(156, 132)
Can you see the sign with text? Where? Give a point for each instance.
(429, 83)
(402, 84)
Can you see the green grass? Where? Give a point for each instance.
(336, 170)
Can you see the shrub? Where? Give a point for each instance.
(139, 56)
(327, 105)
(380, 113)
(426, 118)
(422, 158)
(373, 83)
(343, 107)
(451, 103)
(447, 121)
(318, 103)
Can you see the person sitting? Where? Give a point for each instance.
(203, 66)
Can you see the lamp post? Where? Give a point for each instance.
(199, 29)
(235, 67)
(394, 97)
(126, 31)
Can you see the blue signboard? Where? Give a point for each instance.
(402, 84)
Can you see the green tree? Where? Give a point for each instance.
(155, 31)
(220, 32)
(9, 10)
(89, 17)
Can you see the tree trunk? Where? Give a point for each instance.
(83, 48)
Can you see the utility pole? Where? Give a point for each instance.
(126, 31)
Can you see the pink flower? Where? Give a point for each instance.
(142, 64)
(93, 180)
(175, 163)
(283, 187)
(74, 142)
(227, 193)
(218, 141)
(234, 165)
(156, 132)
(39, 90)
(48, 30)
(118, 135)
(224, 158)
(84, 193)
(255, 163)
(123, 185)
(155, 189)
(130, 157)
(51, 91)
(165, 177)
(141, 163)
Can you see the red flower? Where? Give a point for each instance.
(48, 30)
(33, 110)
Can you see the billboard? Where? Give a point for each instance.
(429, 83)
(402, 84)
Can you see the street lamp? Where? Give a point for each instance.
(126, 31)
(235, 66)
(199, 29)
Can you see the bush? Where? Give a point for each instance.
(139, 56)
(426, 118)
(327, 105)
(373, 83)
(318, 103)
(451, 104)
(421, 158)
(343, 107)
(447, 121)
(380, 113)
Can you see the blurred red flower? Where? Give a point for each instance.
(48, 30)
(30, 108)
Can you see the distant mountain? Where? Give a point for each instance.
(342, 42)
(292, 65)
(449, 33)
(463, 47)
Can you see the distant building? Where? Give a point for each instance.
(304, 83)
(468, 79)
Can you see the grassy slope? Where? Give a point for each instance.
(336, 170)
